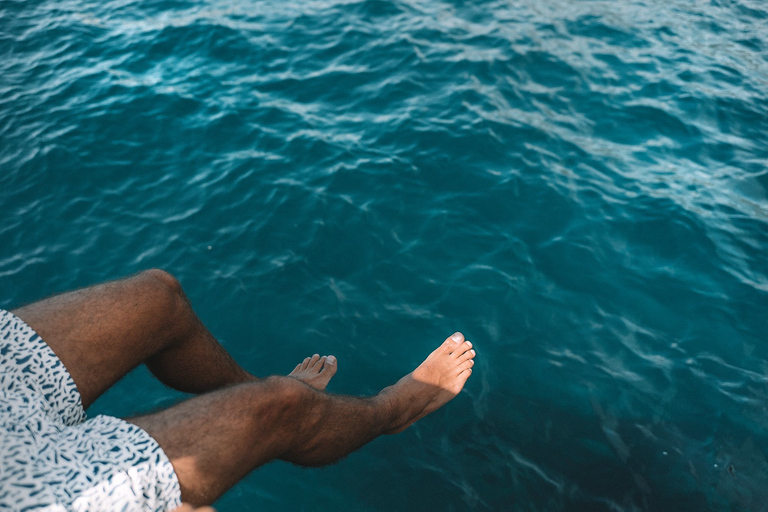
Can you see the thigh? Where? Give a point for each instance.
(102, 332)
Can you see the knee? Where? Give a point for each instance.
(298, 416)
(283, 399)
(162, 289)
(163, 278)
(287, 393)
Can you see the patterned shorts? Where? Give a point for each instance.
(51, 458)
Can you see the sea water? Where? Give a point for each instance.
(578, 186)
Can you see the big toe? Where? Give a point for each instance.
(453, 341)
(330, 367)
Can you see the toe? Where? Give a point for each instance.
(313, 361)
(330, 366)
(453, 341)
(464, 375)
(462, 349)
(305, 363)
(466, 365)
(469, 354)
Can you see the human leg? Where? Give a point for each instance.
(215, 439)
(102, 332)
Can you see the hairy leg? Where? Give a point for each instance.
(102, 332)
(215, 439)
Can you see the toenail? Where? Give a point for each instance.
(472, 352)
(457, 337)
(331, 360)
(469, 344)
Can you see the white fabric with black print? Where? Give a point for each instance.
(51, 458)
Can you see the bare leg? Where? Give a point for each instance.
(102, 332)
(215, 439)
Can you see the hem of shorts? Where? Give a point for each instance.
(66, 373)
(177, 486)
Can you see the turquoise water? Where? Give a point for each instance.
(579, 187)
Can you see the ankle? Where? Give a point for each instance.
(394, 410)
(382, 402)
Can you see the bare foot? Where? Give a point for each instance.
(433, 384)
(316, 371)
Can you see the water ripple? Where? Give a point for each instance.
(581, 187)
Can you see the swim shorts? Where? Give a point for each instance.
(51, 458)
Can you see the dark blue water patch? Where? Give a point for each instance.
(597, 27)
(580, 188)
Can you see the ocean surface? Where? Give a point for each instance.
(578, 186)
